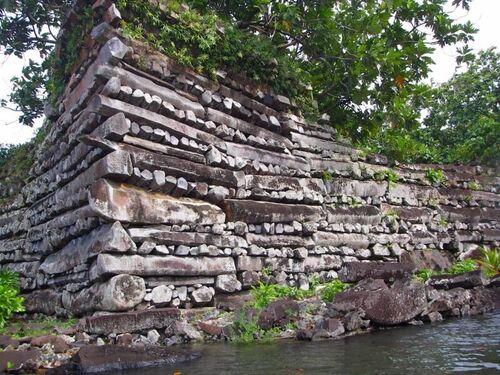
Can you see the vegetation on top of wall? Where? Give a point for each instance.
(10, 301)
(362, 62)
(207, 42)
(16, 160)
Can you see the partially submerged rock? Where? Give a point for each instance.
(95, 359)
(464, 280)
(385, 306)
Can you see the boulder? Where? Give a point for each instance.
(107, 358)
(466, 280)
(227, 283)
(278, 314)
(356, 271)
(386, 306)
(57, 342)
(203, 295)
(17, 358)
(334, 327)
(120, 293)
(47, 302)
(161, 295)
(136, 321)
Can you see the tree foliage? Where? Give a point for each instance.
(464, 113)
(365, 59)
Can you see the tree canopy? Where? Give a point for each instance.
(363, 61)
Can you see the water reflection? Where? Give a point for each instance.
(469, 346)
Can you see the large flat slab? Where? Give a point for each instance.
(126, 203)
(254, 212)
(107, 264)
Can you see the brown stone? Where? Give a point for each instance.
(356, 271)
(386, 306)
(254, 212)
(126, 203)
(278, 314)
(466, 280)
(107, 358)
(210, 329)
(16, 358)
(58, 343)
(130, 322)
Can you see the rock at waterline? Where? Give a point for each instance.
(94, 359)
(386, 306)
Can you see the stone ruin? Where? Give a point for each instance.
(158, 187)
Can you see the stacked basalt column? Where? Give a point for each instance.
(159, 187)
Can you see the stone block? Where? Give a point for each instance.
(107, 264)
(126, 203)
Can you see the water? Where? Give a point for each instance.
(470, 346)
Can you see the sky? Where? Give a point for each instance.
(483, 14)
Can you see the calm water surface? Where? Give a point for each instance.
(470, 345)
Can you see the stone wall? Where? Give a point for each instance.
(159, 187)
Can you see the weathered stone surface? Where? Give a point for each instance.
(161, 294)
(466, 280)
(107, 358)
(283, 183)
(387, 306)
(281, 240)
(57, 342)
(323, 262)
(128, 78)
(163, 236)
(16, 358)
(47, 302)
(203, 295)
(111, 238)
(120, 293)
(107, 264)
(352, 240)
(227, 283)
(254, 212)
(428, 259)
(183, 168)
(127, 203)
(136, 321)
(356, 271)
(366, 215)
(278, 314)
(264, 156)
(245, 127)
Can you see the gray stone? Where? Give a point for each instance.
(120, 293)
(203, 295)
(127, 203)
(161, 295)
(168, 265)
(227, 283)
